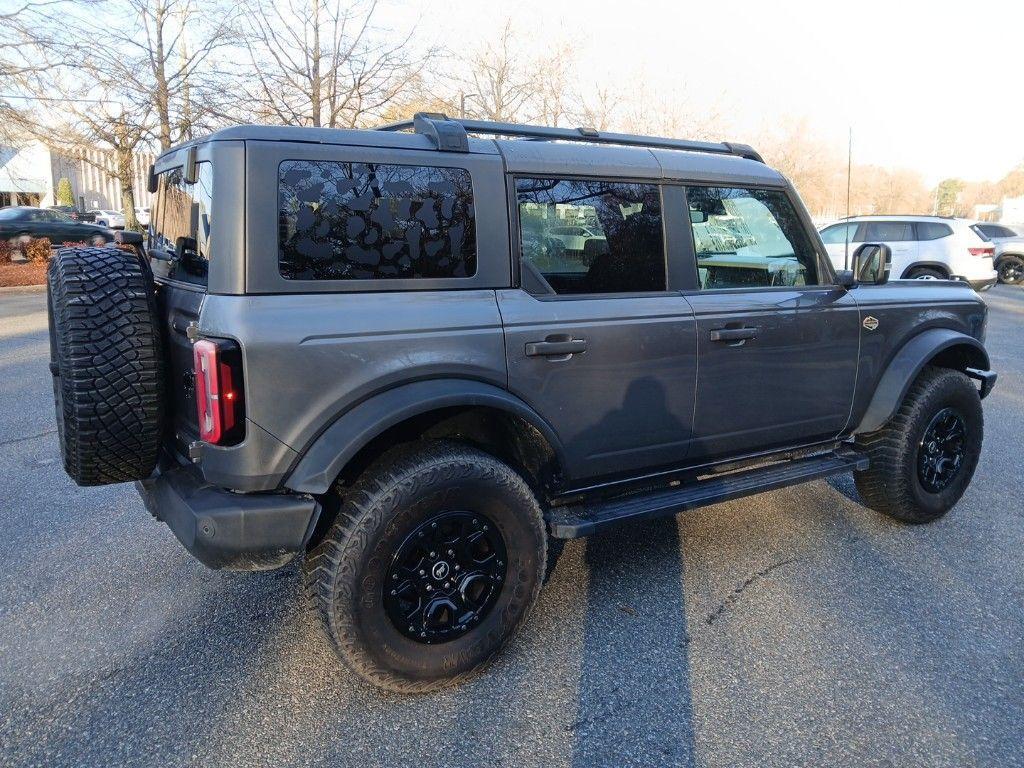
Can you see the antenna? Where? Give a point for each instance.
(849, 171)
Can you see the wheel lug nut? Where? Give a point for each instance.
(394, 591)
(451, 552)
(433, 554)
(458, 567)
(433, 525)
(429, 588)
(422, 572)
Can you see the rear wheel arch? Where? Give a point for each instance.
(938, 347)
(472, 412)
(925, 265)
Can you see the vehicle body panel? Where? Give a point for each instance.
(793, 382)
(308, 358)
(903, 310)
(624, 403)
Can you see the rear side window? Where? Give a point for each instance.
(994, 230)
(888, 231)
(592, 236)
(839, 234)
(749, 238)
(180, 224)
(931, 230)
(367, 221)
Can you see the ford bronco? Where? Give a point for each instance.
(380, 352)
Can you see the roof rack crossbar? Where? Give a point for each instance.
(450, 134)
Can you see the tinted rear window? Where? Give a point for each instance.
(367, 221)
(930, 230)
(888, 231)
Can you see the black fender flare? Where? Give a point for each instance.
(907, 364)
(335, 447)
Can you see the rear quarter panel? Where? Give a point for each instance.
(308, 358)
(904, 309)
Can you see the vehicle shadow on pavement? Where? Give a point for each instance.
(634, 693)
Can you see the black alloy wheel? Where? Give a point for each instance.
(1011, 270)
(445, 577)
(940, 454)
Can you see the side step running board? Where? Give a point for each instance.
(573, 521)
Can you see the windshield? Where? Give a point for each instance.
(180, 225)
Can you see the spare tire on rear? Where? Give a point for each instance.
(106, 357)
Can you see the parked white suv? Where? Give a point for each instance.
(923, 247)
(109, 219)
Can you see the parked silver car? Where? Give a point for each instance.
(1009, 243)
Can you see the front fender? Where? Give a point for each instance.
(907, 364)
(333, 449)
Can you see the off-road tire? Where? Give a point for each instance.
(1010, 269)
(344, 574)
(891, 484)
(923, 273)
(106, 357)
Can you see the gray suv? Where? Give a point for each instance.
(378, 352)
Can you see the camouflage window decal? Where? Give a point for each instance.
(369, 221)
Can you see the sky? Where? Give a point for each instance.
(935, 87)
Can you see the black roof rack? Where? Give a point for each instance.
(895, 216)
(451, 135)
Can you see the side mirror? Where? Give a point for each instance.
(185, 249)
(871, 263)
(152, 182)
(845, 278)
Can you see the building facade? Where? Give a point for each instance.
(29, 174)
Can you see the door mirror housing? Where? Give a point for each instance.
(845, 278)
(871, 263)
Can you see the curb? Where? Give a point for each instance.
(23, 289)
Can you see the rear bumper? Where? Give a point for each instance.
(979, 282)
(222, 529)
(983, 285)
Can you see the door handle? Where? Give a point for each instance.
(733, 334)
(562, 348)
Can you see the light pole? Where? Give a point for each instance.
(462, 102)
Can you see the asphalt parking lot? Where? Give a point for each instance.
(792, 628)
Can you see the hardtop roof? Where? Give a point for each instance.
(522, 155)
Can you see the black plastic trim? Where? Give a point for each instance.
(233, 531)
(577, 520)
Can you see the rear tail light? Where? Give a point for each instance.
(988, 251)
(219, 400)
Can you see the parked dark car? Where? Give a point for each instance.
(17, 221)
(74, 213)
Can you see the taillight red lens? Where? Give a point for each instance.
(218, 392)
(982, 251)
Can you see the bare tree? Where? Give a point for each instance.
(87, 96)
(599, 109)
(500, 80)
(172, 53)
(322, 63)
